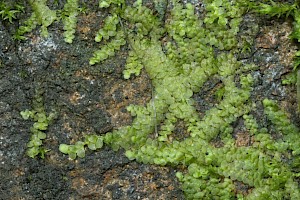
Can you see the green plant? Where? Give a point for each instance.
(8, 13)
(93, 142)
(133, 65)
(42, 15)
(179, 72)
(109, 29)
(69, 18)
(40, 125)
(290, 78)
(276, 9)
(194, 50)
(109, 49)
(108, 3)
(284, 126)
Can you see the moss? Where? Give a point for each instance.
(69, 17)
(9, 10)
(40, 125)
(196, 49)
(42, 15)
